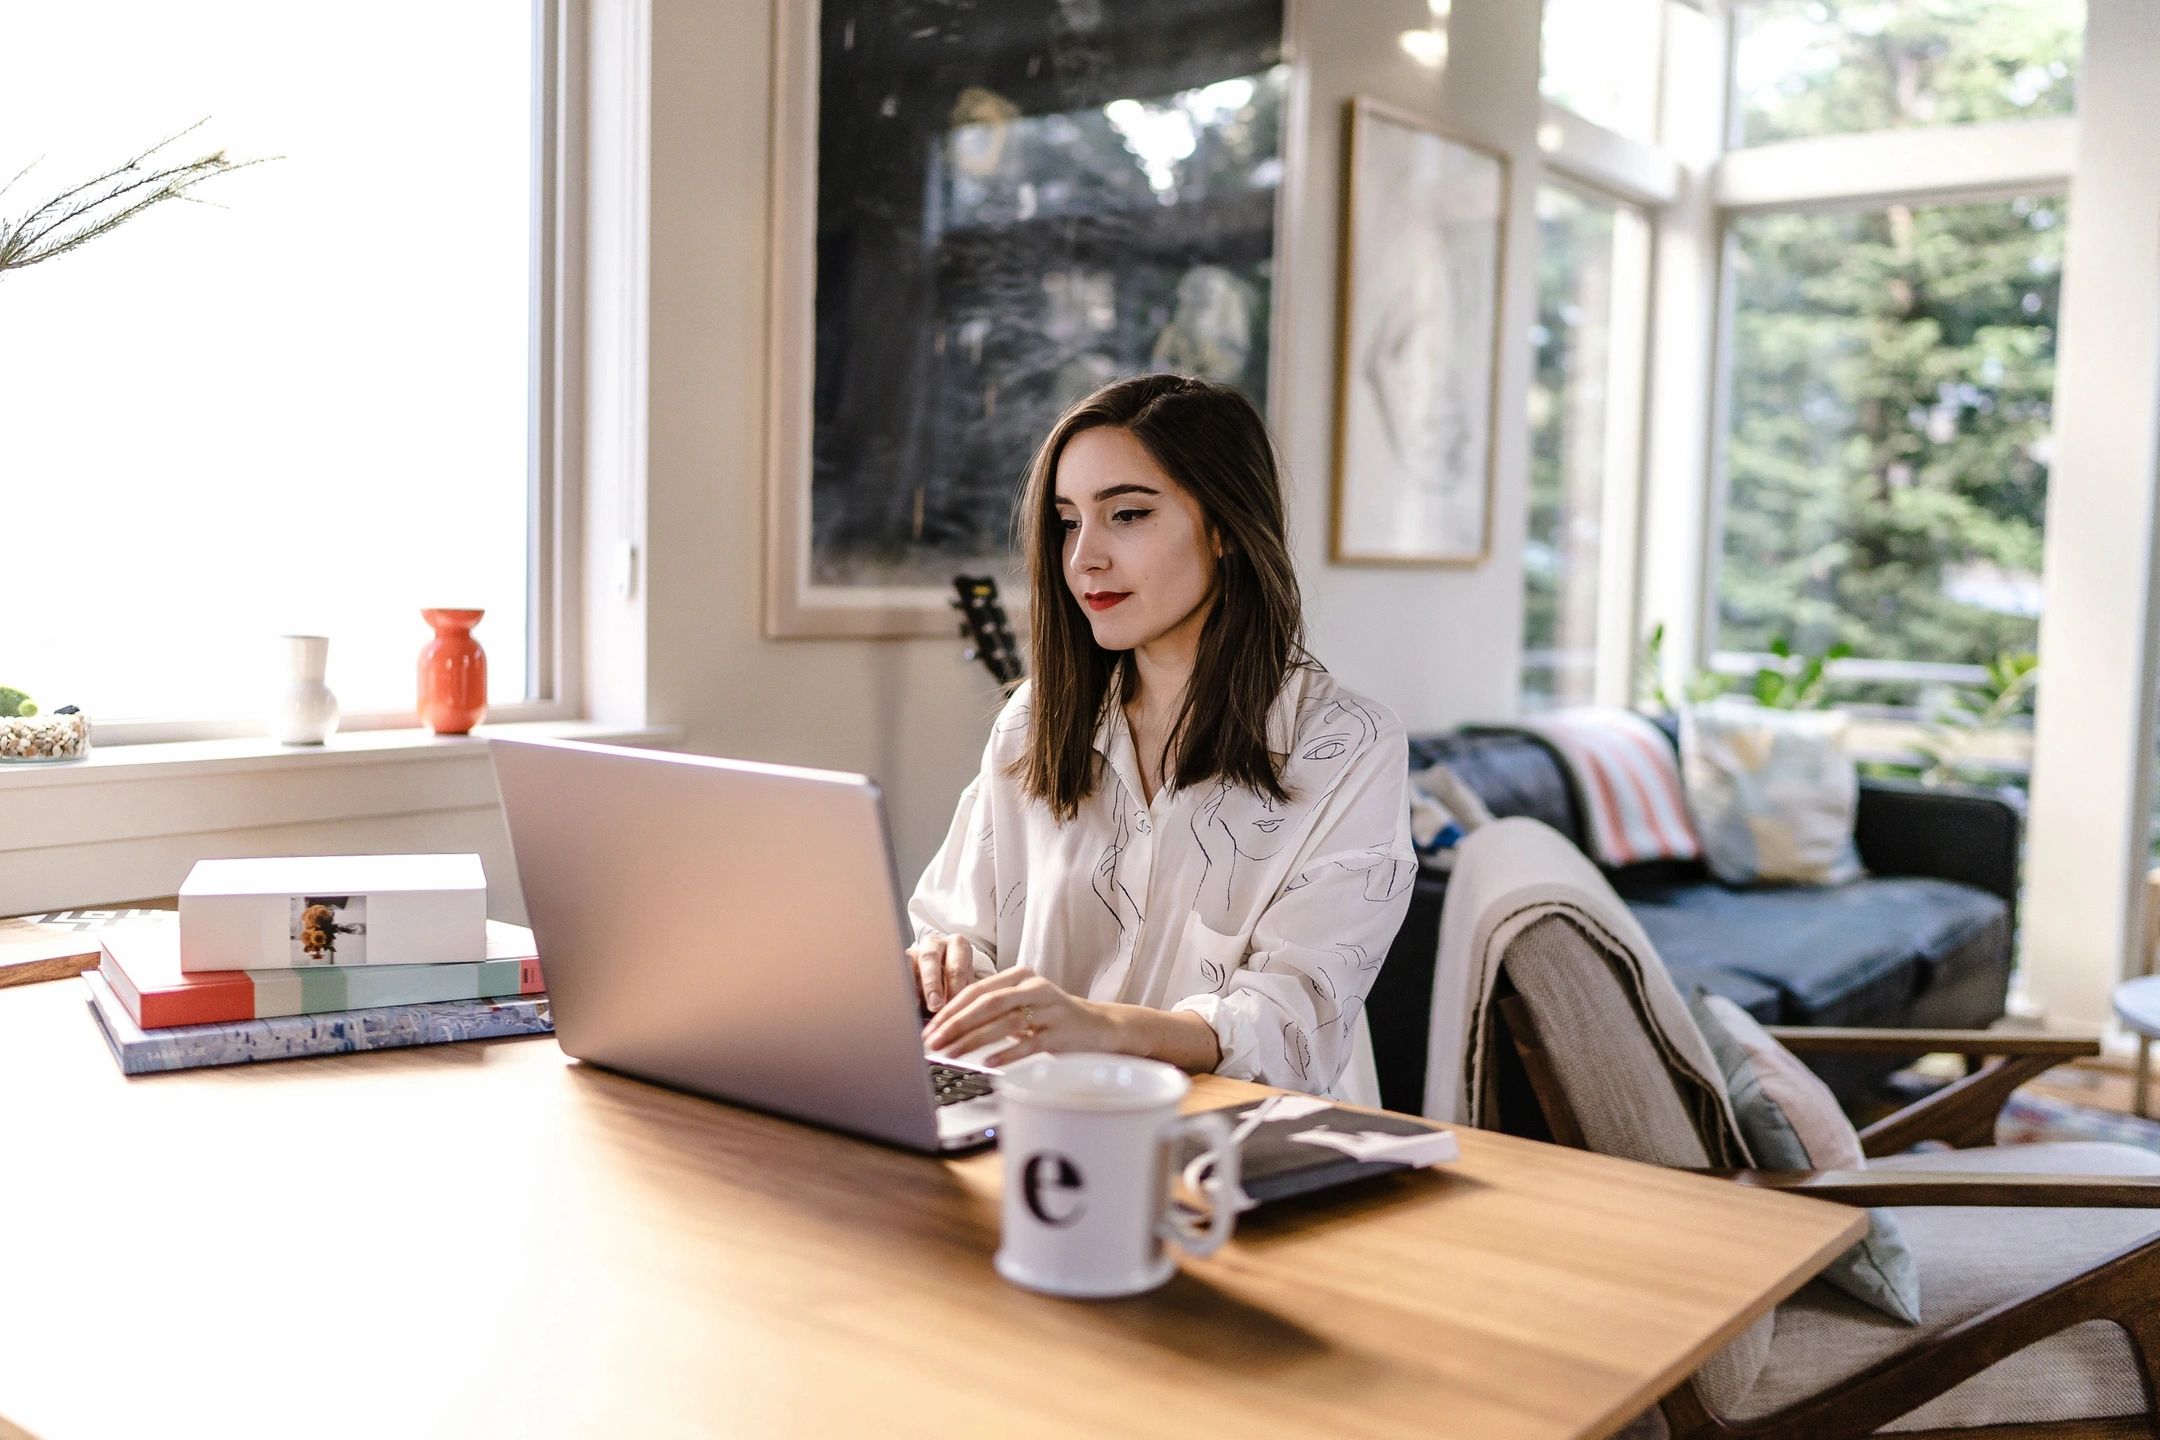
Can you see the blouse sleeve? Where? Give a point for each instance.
(1286, 1016)
(957, 894)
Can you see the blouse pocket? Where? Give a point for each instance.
(1219, 955)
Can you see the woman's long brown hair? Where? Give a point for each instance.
(1211, 440)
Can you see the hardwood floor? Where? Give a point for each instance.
(2104, 1084)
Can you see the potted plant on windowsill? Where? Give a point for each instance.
(68, 221)
(26, 734)
(103, 203)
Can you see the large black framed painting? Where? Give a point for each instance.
(984, 212)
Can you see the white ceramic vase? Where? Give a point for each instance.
(303, 711)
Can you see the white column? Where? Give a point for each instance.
(2093, 759)
(1678, 503)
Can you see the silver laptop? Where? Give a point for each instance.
(734, 929)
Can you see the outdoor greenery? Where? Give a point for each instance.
(1821, 67)
(1892, 369)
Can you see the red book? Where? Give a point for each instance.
(143, 968)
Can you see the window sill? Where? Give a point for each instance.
(130, 820)
(189, 758)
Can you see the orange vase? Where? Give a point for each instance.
(453, 673)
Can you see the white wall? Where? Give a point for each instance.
(1439, 646)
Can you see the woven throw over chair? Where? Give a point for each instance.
(2039, 1264)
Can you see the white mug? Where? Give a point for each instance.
(1086, 1144)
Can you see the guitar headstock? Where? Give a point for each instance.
(983, 623)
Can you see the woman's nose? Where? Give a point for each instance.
(1087, 554)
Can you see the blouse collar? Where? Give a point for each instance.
(1113, 736)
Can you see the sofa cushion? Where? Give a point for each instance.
(1759, 1000)
(1852, 955)
(1513, 773)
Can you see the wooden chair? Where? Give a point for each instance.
(2039, 1264)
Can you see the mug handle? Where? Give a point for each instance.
(1223, 1184)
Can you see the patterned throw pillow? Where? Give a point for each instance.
(1879, 1269)
(1442, 810)
(1774, 793)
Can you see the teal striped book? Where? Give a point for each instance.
(142, 965)
(282, 1037)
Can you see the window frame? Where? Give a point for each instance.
(1621, 491)
(1885, 168)
(1646, 180)
(555, 378)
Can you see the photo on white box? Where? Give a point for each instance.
(329, 929)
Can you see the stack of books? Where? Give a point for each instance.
(269, 959)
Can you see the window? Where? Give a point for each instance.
(1592, 271)
(308, 409)
(1888, 444)
(1600, 60)
(1818, 67)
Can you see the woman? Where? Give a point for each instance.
(1186, 840)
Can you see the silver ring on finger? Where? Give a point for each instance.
(1027, 1021)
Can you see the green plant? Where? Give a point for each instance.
(14, 704)
(104, 203)
(1650, 671)
(1795, 682)
(1974, 713)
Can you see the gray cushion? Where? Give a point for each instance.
(1972, 1259)
(1618, 1085)
(1878, 1270)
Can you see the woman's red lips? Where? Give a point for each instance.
(1104, 599)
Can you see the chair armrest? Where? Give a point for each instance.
(1827, 1040)
(1871, 1188)
(1947, 832)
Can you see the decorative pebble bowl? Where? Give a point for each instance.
(62, 735)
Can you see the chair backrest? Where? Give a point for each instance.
(1570, 983)
(1600, 1078)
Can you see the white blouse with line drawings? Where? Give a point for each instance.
(1267, 920)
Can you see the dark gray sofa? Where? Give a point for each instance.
(1924, 940)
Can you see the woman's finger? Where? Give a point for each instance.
(1003, 1024)
(1018, 1048)
(979, 1008)
(959, 964)
(930, 974)
(1001, 980)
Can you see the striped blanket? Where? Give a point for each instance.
(1627, 779)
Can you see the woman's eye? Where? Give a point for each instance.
(1127, 516)
(1068, 526)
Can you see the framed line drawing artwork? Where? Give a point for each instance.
(981, 214)
(1417, 355)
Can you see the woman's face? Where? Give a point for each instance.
(1138, 556)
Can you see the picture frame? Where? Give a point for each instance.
(901, 413)
(1423, 261)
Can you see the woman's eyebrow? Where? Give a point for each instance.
(1112, 490)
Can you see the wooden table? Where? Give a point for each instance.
(492, 1239)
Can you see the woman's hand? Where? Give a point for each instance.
(944, 966)
(1029, 1013)
(1032, 1016)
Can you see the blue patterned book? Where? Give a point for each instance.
(186, 1047)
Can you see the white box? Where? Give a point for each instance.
(293, 911)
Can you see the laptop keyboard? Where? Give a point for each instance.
(949, 1084)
